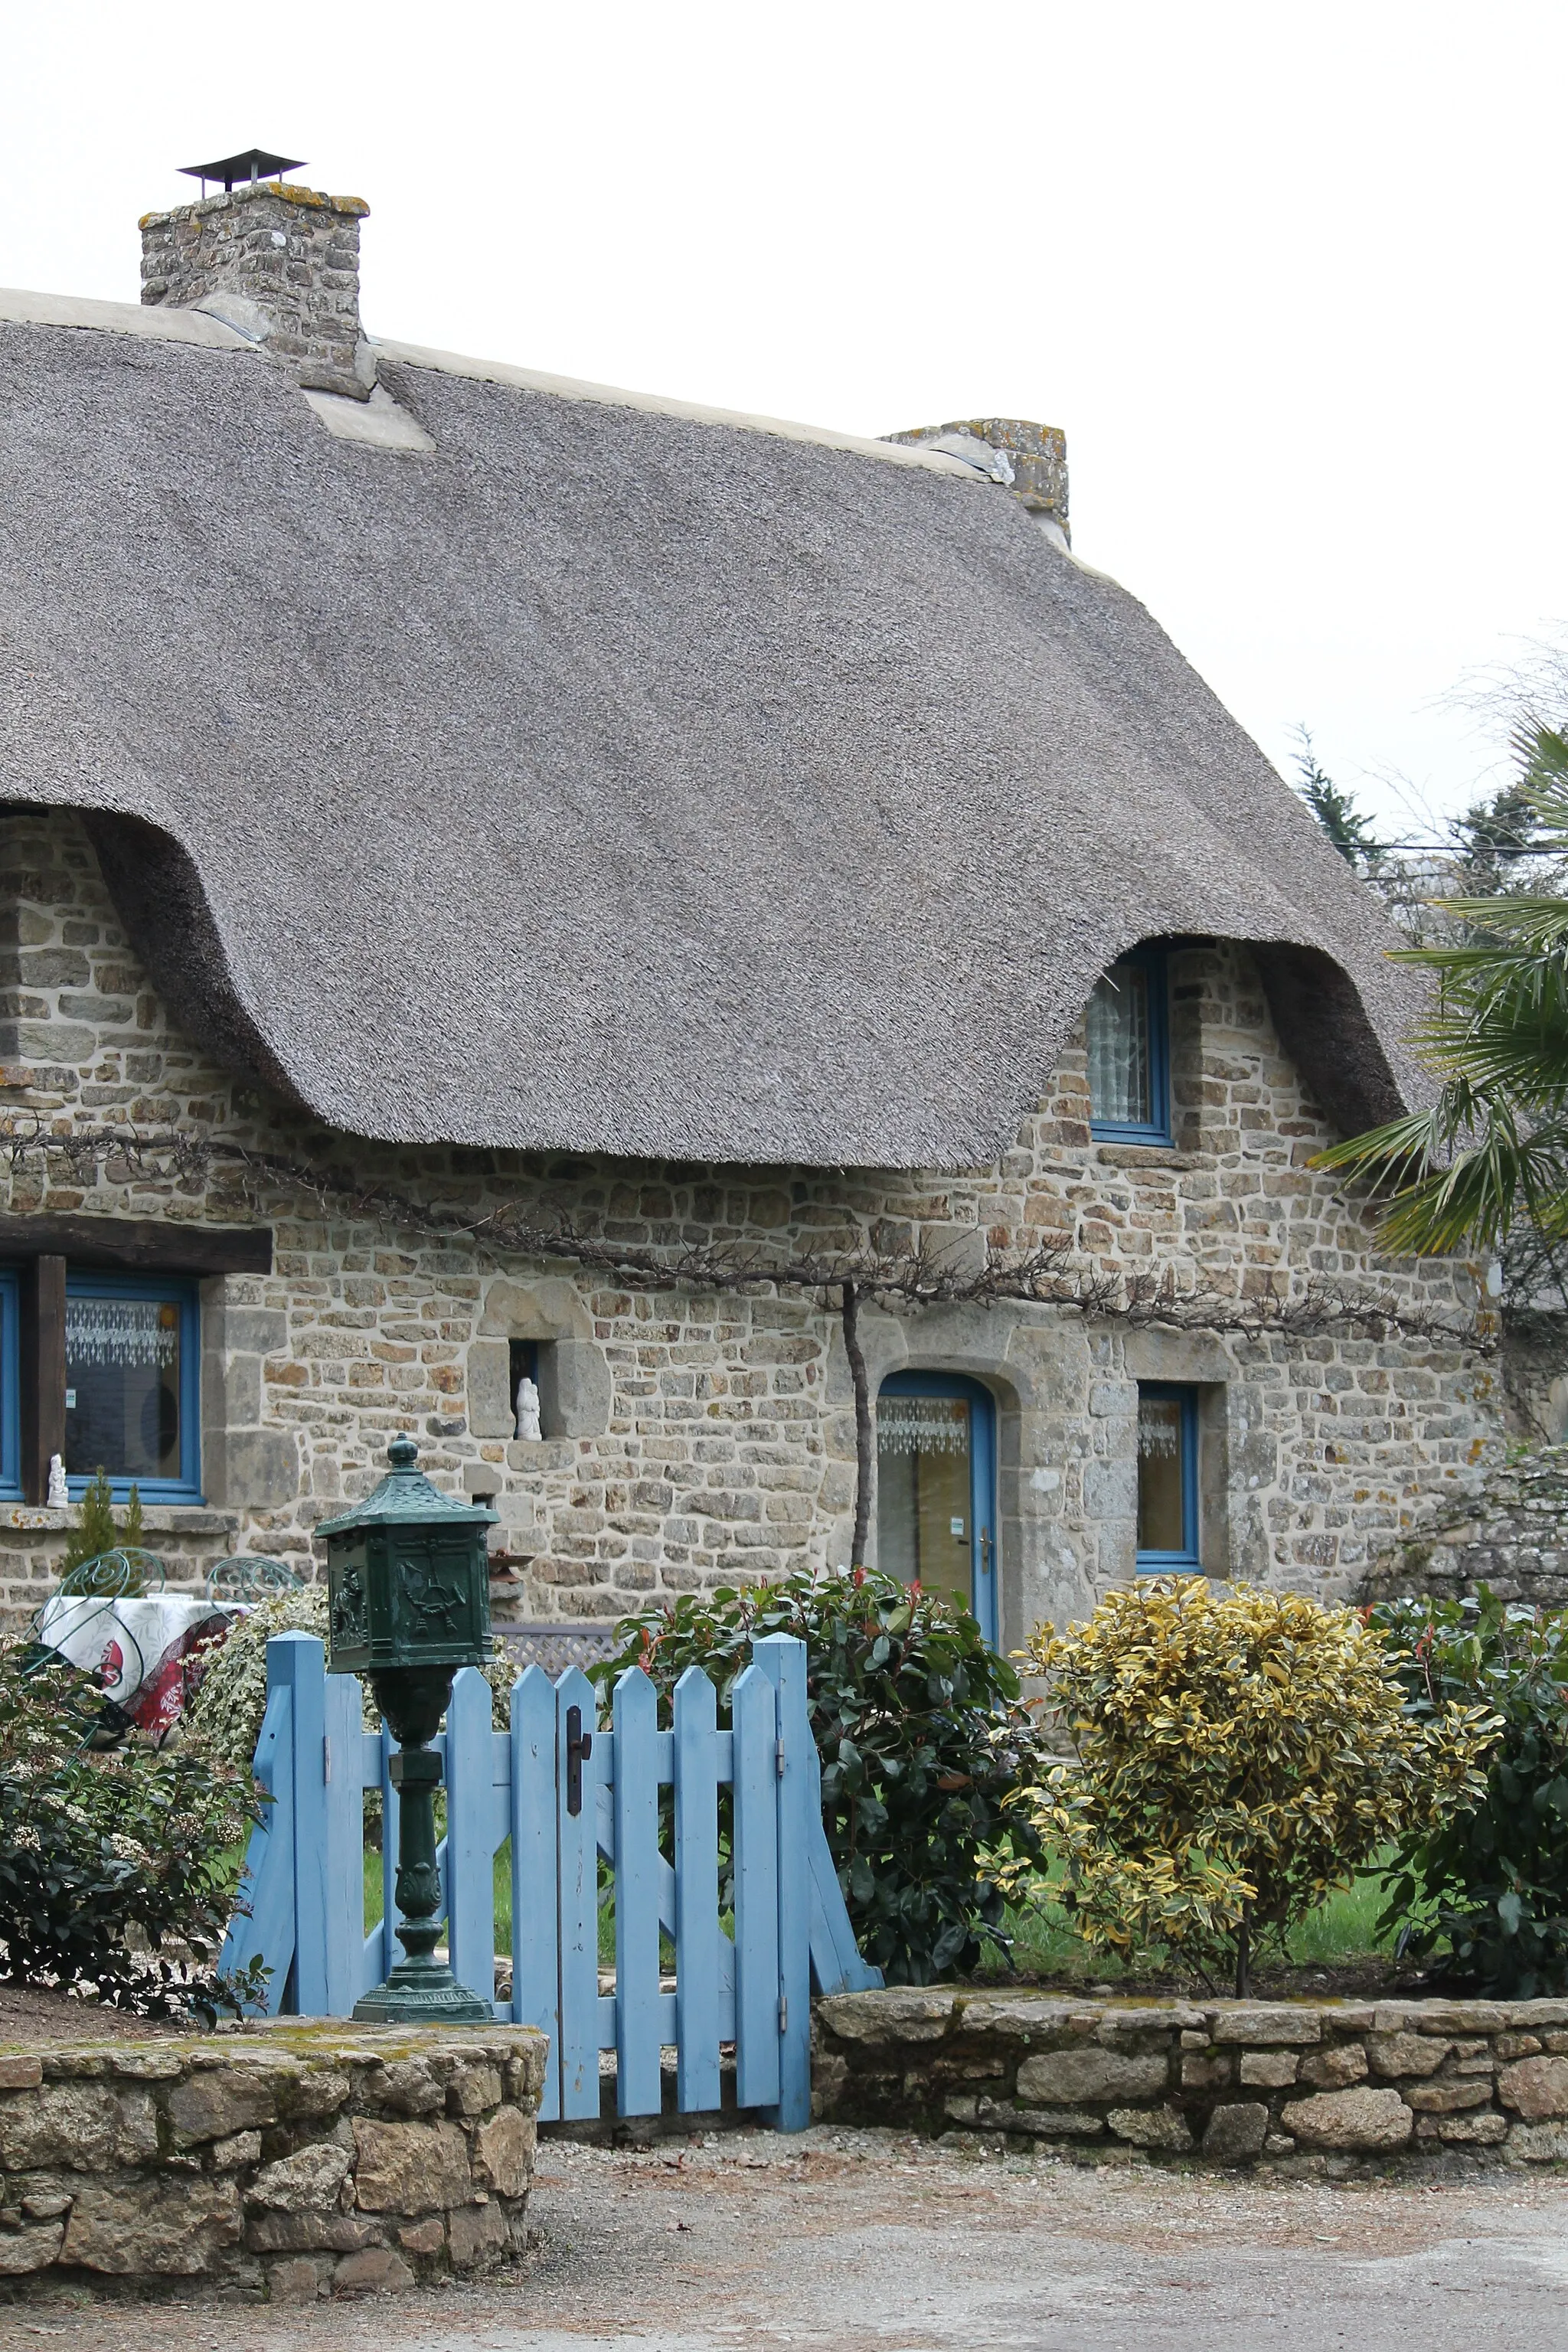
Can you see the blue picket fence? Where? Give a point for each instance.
(301, 1897)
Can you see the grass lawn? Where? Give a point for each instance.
(374, 1894)
(1338, 1934)
(1346, 1926)
(374, 1884)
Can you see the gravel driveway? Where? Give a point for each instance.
(868, 2242)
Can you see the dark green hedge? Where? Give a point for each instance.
(1487, 1895)
(923, 1737)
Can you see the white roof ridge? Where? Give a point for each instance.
(694, 412)
(159, 323)
(169, 324)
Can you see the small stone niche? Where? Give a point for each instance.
(495, 1368)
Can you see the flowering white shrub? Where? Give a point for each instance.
(230, 1700)
(117, 1869)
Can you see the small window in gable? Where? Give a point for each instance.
(1129, 1052)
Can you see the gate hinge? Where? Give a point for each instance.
(327, 1756)
(779, 1760)
(783, 2012)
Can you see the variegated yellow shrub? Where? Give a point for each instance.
(1240, 1755)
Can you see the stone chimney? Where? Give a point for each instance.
(1034, 463)
(278, 263)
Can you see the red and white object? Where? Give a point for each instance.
(137, 1644)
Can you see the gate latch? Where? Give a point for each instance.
(579, 1748)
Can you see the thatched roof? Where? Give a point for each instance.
(612, 777)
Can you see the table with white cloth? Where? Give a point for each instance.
(138, 1645)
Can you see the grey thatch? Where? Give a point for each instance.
(612, 779)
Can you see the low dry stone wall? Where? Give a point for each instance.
(279, 2163)
(1511, 1535)
(1308, 2088)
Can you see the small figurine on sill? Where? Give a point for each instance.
(528, 1410)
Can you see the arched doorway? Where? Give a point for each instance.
(936, 1488)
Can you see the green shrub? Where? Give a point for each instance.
(921, 1737)
(229, 1700)
(1485, 1888)
(1239, 1758)
(226, 1705)
(116, 1869)
(96, 1532)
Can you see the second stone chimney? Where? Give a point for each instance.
(1036, 459)
(278, 263)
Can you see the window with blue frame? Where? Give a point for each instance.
(1129, 1051)
(1168, 1530)
(132, 1363)
(936, 1488)
(10, 1391)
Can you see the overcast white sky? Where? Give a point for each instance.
(1289, 276)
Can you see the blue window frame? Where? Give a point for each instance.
(1129, 1037)
(936, 1488)
(10, 1391)
(1168, 1527)
(132, 1385)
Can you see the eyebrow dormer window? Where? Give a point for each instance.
(1129, 1056)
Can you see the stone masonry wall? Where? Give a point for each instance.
(1302, 2087)
(280, 2163)
(689, 1439)
(1511, 1535)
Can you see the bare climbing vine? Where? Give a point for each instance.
(920, 1274)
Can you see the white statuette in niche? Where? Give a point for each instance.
(528, 1409)
(58, 1496)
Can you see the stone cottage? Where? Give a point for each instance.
(471, 841)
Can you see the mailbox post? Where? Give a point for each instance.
(409, 1603)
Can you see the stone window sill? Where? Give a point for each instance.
(541, 1453)
(1152, 1155)
(157, 1520)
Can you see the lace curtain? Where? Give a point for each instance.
(921, 1425)
(127, 1333)
(1118, 1075)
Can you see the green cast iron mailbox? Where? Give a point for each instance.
(409, 1603)
(408, 1578)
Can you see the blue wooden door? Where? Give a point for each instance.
(936, 1487)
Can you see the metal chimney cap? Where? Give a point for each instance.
(255, 163)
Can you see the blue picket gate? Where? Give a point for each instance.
(301, 1899)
